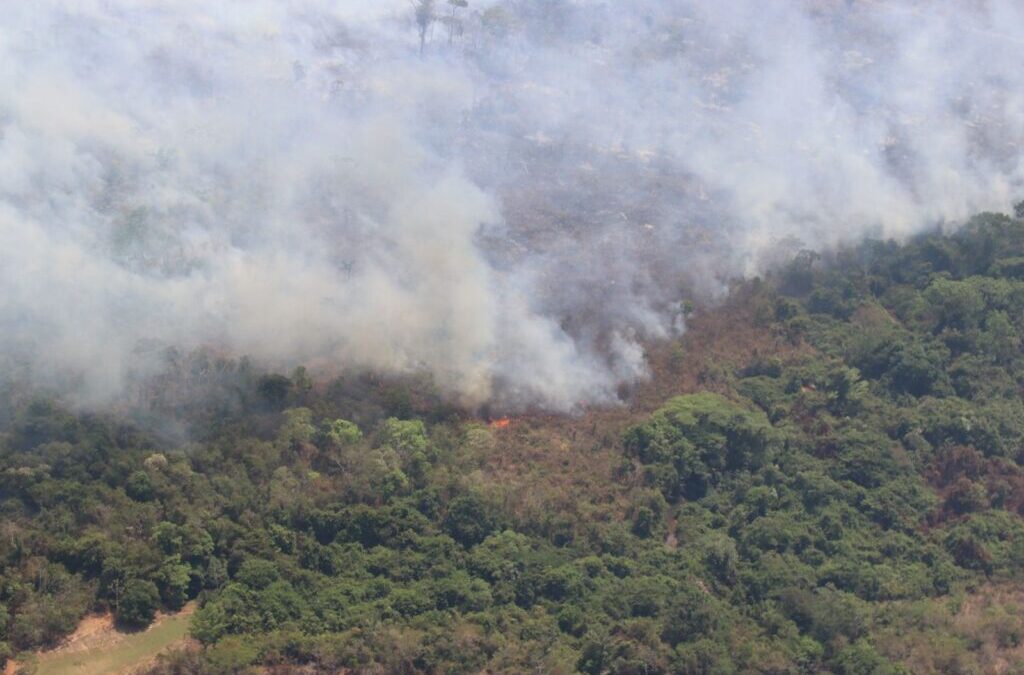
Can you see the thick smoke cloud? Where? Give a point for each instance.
(512, 211)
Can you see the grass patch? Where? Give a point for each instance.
(131, 650)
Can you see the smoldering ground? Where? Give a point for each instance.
(513, 209)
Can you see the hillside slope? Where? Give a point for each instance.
(823, 475)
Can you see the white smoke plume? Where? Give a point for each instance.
(512, 210)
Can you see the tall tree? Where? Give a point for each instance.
(453, 21)
(424, 13)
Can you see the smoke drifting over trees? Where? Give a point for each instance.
(512, 210)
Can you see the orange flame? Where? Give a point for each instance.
(500, 423)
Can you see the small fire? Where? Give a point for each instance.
(500, 423)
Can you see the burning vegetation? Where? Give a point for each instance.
(716, 261)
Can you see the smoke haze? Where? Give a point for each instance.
(512, 211)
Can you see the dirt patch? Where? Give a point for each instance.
(94, 632)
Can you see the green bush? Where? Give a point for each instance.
(138, 604)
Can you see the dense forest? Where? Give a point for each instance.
(823, 475)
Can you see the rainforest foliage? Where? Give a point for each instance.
(804, 510)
